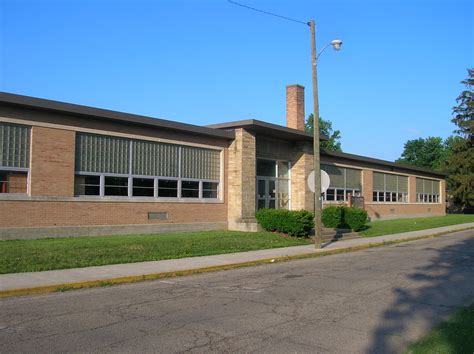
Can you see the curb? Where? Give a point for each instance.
(154, 276)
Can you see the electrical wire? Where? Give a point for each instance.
(268, 13)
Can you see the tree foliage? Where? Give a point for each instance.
(460, 163)
(429, 153)
(325, 127)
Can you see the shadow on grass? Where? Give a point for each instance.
(441, 288)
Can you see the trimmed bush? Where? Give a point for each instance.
(294, 223)
(333, 216)
(344, 217)
(355, 218)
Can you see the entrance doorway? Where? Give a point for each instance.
(266, 192)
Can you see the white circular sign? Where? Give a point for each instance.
(325, 181)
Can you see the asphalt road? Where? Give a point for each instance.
(378, 300)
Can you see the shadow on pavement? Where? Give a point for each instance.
(440, 288)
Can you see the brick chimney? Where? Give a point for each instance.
(295, 107)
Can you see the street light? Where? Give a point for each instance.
(336, 44)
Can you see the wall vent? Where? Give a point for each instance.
(161, 215)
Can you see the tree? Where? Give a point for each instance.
(429, 153)
(325, 128)
(460, 163)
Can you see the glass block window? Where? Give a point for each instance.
(200, 163)
(344, 181)
(390, 188)
(103, 154)
(155, 159)
(119, 167)
(427, 190)
(14, 146)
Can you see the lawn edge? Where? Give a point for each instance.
(155, 276)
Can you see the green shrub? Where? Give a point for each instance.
(333, 216)
(294, 223)
(355, 218)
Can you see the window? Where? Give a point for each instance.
(390, 188)
(117, 186)
(344, 181)
(427, 191)
(143, 187)
(273, 184)
(14, 158)
(189, 189)
(167, 188)
(118, 167)
(209, 189)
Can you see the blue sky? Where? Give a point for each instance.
(208, 61)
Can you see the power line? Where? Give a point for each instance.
(268, 13)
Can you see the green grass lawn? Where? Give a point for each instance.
(454, 336)
(386, 227)
(45, 254)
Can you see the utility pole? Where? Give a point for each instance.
(316, 152)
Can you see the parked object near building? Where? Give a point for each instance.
(69, 170)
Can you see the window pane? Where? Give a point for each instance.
(143, 187)
(330, 194)
(190, 189)
(209, 189)
(340, 194)
(374, 196)
(353, 178)
(387, 196)
(283, 169)
(116, 186)
(390, 183)
(87, 185)
(200, 163)
(167, 188)
(266, 168)
(155, 159)
(381, 196)
(403, 184)
(14, 145)
(102, 154)
(13, 182)
(379, 183)
(271, 203)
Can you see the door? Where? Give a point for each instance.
(266, 193)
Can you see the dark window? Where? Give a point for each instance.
(167, 188)
(266, 168)
(381, 196)
(87, 185)
(116, 186)
(143, 187)
(374, 196)
(190, 189)
(330, 194)
(340, 194)
(13, 182)
(209, 189)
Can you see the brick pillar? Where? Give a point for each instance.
(52, 162)
(411, 189)
(367, 185)
(295, 107)
(241, 182)
(301, 167)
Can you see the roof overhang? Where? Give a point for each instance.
(120, 117)
(372, 161)
(267, 129)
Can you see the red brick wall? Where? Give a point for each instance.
(52, 162)
(78, 213)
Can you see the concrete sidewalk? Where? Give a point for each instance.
(11, 284)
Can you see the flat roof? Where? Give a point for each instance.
(121, 117)
(269, 129)
(381, 162)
